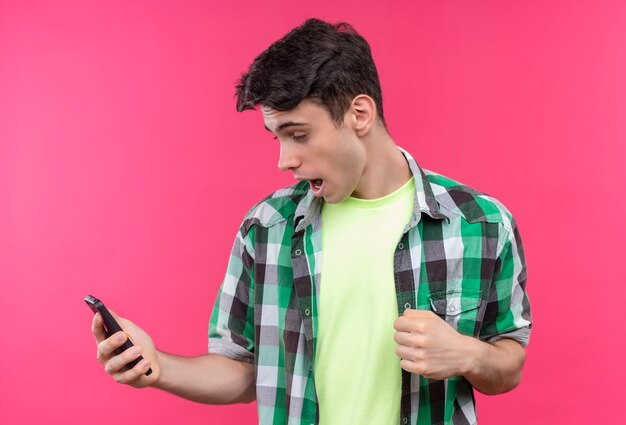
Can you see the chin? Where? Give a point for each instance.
(335, 199)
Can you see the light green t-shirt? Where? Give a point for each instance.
(357, 373)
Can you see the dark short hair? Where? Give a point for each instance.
(319, 61)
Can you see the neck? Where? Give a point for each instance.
(386, 169)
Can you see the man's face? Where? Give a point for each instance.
(331, 158)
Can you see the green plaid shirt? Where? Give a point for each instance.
(460, 256)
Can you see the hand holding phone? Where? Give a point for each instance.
(111, 327)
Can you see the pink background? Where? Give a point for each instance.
(120, 146)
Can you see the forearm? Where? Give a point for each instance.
(209, 379)
(495, 368)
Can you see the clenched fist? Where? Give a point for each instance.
(429, 346)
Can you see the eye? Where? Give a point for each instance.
(298, 136)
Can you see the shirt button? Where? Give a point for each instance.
(307, 312)
(400, 245)
(451, 309)
(407, 305)
(298, 251)
(404, 420)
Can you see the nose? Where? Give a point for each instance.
(288, 159)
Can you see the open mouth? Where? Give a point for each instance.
(316, 186)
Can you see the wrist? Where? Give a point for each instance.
(476, 352)
(157, 381)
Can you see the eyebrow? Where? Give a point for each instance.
(287, 125)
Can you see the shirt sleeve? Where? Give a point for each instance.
(231, 327)
(508, 310)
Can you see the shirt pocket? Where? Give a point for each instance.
(461, 309)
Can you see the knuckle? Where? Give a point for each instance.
(102, 347)
(100, 355)
(132, 353)
(125, 377)
(110, 368)
(412, 313)
(140, 368)
(405, 354)
(118, 338)
(409, 366)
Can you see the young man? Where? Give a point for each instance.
(370, 292)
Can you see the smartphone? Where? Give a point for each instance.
(110, 327)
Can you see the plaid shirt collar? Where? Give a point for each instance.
(310, 206)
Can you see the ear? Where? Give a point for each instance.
(362, 114)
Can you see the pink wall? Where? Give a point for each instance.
(120, 145)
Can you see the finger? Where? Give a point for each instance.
(407, 339)
(131, 376)
(420, 314)
(408, 353)
(401, 324)
(97, 328)
(404, 352)
(106, 347)
(412, 367)
(409, 324)
(116, 363)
